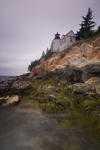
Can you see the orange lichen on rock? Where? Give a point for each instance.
(93, 80)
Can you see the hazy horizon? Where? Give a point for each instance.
(28, 27)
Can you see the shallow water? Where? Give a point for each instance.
(27, 129)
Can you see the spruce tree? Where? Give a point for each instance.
(87, 25)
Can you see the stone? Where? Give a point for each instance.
(52, 98)
(97, 87)
(20, 85)
(90, 70)
(51, 87)
(93, 80)
(79, 88)
(9, 100)
(85, 88)
(4, 86)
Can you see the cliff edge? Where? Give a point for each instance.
(82, 57)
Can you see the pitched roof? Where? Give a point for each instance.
(70, 33)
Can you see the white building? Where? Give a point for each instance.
(65, 41)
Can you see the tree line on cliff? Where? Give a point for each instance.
(45, 55)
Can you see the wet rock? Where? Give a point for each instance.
(20, 85)
(48, 87)
(86, 89)
(16, 83)
(51, 87)
(4, 86)
(52, 98)
(62, 104)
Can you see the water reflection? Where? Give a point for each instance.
(27, 129)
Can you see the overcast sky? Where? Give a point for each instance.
(27, 27)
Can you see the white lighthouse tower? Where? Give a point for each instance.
(64, 42)
(56, 43)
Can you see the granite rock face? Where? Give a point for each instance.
(75, 74)
(92, 88)
(91, 70)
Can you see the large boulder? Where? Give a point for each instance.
(9, 100)
(73, 74)
(86, 89)
(90, 70)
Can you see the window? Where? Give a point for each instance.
(71, 39)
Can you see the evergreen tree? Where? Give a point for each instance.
(86, 26)
(47, 50)
(43, 54)
(48, 54)
(33, 64)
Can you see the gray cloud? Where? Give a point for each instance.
(28, 26)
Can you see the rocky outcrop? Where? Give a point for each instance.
(21, 85)
(17, 84)
(90, 70)
(91, 87)
(75, 74)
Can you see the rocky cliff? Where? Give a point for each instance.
(80, 61)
